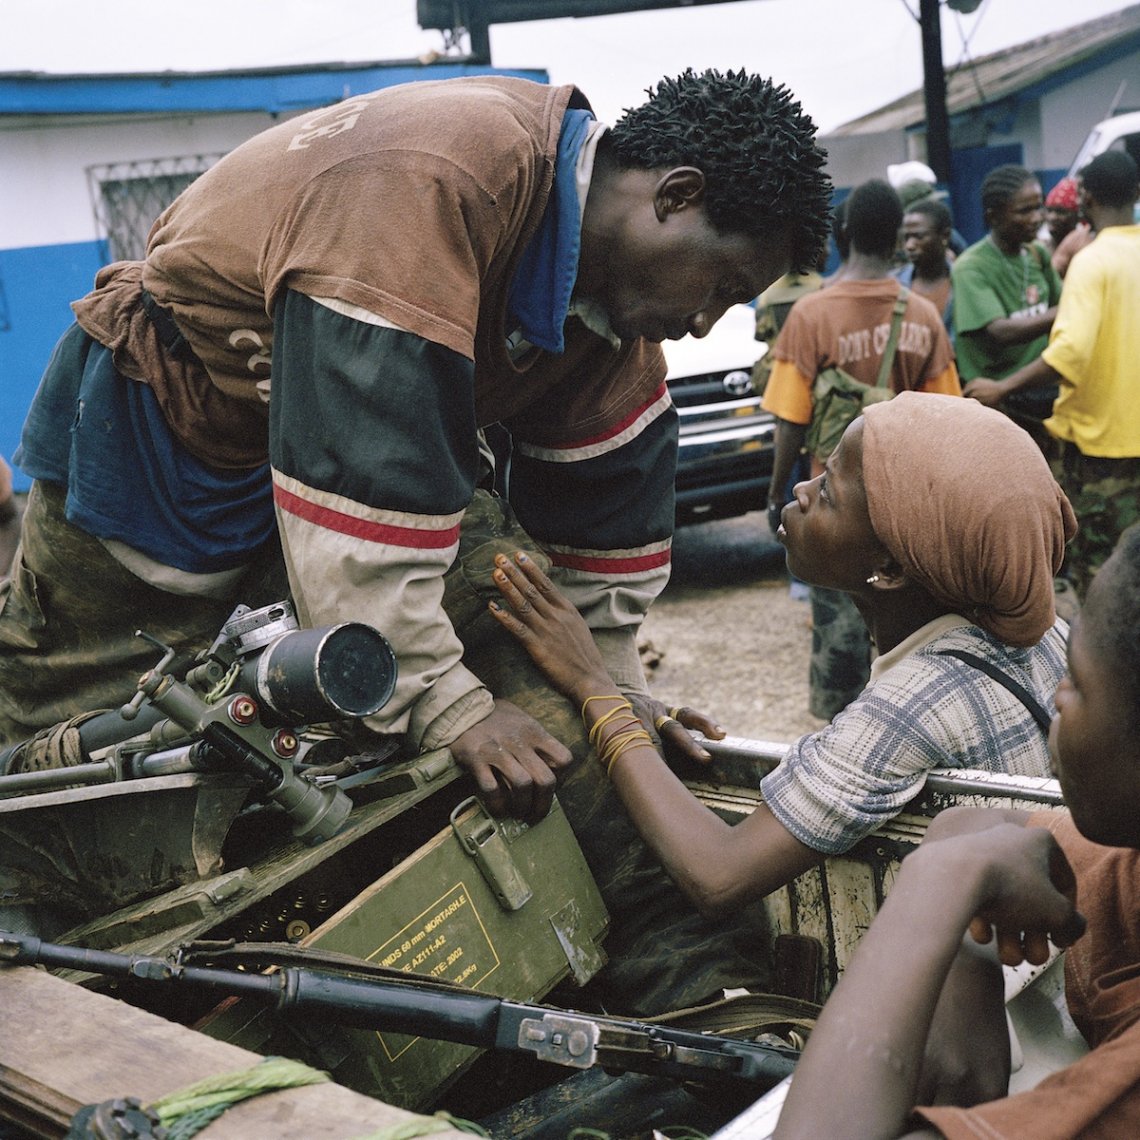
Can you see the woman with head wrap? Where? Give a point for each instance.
(941, 518)
(1069, 230)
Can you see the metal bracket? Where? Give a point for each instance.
(484, 840)
(584, 955)
(561, 1039)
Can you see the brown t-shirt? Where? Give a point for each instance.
(391, 201)
(413, 206)
(1099, 1095)
(848, 324)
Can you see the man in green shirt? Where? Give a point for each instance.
(1005, 298)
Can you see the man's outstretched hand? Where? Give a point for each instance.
(514, 762)
(985, 391)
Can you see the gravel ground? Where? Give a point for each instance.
(727, 636)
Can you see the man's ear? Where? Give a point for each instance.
(680, 188)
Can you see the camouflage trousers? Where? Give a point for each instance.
(840, 653)
(67, 646)
(69, 612)
(663, 954)
(1105, 494)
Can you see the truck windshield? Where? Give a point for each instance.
(1119, 133)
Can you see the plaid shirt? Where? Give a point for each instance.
(919, 711)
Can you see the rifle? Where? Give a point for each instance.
(427, 1008)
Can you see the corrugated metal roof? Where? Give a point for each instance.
(1025, 71)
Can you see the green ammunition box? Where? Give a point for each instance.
(497, 906)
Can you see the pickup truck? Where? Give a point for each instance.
(1121, 132)
(728, 442)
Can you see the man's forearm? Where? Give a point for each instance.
(860, 1073)
(967, 1059)
(1018, 330)
(1037, 374)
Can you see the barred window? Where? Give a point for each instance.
(128, 196)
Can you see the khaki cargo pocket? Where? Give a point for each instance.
(22, 621)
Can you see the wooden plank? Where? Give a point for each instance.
(852, 902)
(62, 1047)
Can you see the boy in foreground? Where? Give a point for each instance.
(918, 1017)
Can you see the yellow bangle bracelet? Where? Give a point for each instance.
(628, 741)
(621, 727)
(608, 697)
(632, 724)
(617, 738)
(618, 710)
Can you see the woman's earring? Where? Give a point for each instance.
(873, 579)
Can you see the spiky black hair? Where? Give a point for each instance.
(753, 143)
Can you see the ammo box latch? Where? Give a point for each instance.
(486, 841)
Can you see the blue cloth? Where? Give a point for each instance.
(544, 281)
(128, 478)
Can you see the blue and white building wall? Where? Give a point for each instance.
(69, 145)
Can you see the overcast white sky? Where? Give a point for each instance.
(842, 58)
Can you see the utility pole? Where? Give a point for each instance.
(479, 31)
(477, 16)
(934, 91)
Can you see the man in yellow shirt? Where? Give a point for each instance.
(1094, 347)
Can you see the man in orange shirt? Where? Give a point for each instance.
(848, 325)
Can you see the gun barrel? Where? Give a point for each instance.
(45, 779)
(418, 1008)
(467, 1018)
(28, 950)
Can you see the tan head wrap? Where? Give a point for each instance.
(964, 500)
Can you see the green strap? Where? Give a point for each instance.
(186, 1112)
(425, 1126)
(893, 339)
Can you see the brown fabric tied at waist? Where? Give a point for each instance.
(167, 328)
(1082, 466)
(224, 429)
